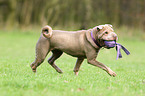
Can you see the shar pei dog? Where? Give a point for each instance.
(83, 44)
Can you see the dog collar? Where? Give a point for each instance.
(95, 41)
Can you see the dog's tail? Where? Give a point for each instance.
(47, 31)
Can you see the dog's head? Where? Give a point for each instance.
(105, 33)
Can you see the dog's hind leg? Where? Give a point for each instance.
(42, 49)
(78, 64)
(56, 54)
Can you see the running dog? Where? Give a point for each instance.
(83, 44)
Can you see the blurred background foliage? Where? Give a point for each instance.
(75, 14)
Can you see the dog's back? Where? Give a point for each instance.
(70, 42)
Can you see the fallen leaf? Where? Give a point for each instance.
(65, 81)
(80, 89)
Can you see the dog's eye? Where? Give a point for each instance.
(106, 32)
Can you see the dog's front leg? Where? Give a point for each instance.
(78, 64)
(102, 66)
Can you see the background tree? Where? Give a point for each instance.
(77, 13)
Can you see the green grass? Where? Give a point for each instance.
(17, 52)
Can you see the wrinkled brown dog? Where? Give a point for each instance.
(78, 44)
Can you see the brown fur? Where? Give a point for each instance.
(75, 43)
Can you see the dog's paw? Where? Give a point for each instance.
(111, 73)
(33, 68)
(76, 73)
(58, 70)
(114, 74)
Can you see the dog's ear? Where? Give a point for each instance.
(99, 28)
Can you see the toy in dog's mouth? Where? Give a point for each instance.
(112, 44)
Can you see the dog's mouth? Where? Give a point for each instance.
(109, 44)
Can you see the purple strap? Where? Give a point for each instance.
(95, 40)
(118, 47)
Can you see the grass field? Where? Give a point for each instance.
(17, 52)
